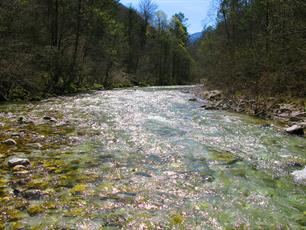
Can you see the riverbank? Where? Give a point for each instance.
(290, 112)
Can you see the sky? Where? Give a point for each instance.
(198, 12)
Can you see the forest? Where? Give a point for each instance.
(54, 47)
(258, 47)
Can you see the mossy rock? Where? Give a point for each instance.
(3, 183)
(226, 158)
(176, 219)
(75, 212)
(35, 209)
(14, 215)
(49, 205)
(106, 187)
(17, 226)
(38, 184)
(79, 188)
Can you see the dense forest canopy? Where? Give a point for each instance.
(257, 47)
(55, 47)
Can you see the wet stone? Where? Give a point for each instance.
(208, 178)
(295, 130)
(300, 176)
(9, 142)
(19, 168)
(32, 194)
(51, 119)
(23, 120)
(14, 161)
(35, 209)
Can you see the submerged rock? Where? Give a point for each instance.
(300, 176)
(32, 194)
(35, 209)
(295, 130)
(14, 161)
(9, 142)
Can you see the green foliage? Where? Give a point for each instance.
(257, 47)
(59, 47)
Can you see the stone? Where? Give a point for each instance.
(212, 94)
(192, 99)
(35, 145)
(14, 161)
(299, 176)
(299, 114)
(209, 107)
(19, 168)
(303, 124)
(9, 142)
(32, 194)
(295, 130)
(51, 119)
(23, 120)
(35, 209)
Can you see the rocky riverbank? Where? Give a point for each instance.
(291, 114)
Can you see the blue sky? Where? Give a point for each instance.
(198, 12)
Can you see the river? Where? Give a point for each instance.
(146, 158)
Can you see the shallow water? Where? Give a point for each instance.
(147, 158)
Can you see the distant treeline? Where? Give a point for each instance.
(51, 47)
(257, 47)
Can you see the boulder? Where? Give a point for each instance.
(295, 130)
(299, 176)
(14, 161)
(9, 142)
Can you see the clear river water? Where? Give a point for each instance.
(146, 158)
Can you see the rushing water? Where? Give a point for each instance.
(147, 159)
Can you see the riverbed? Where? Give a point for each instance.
(146, 158)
